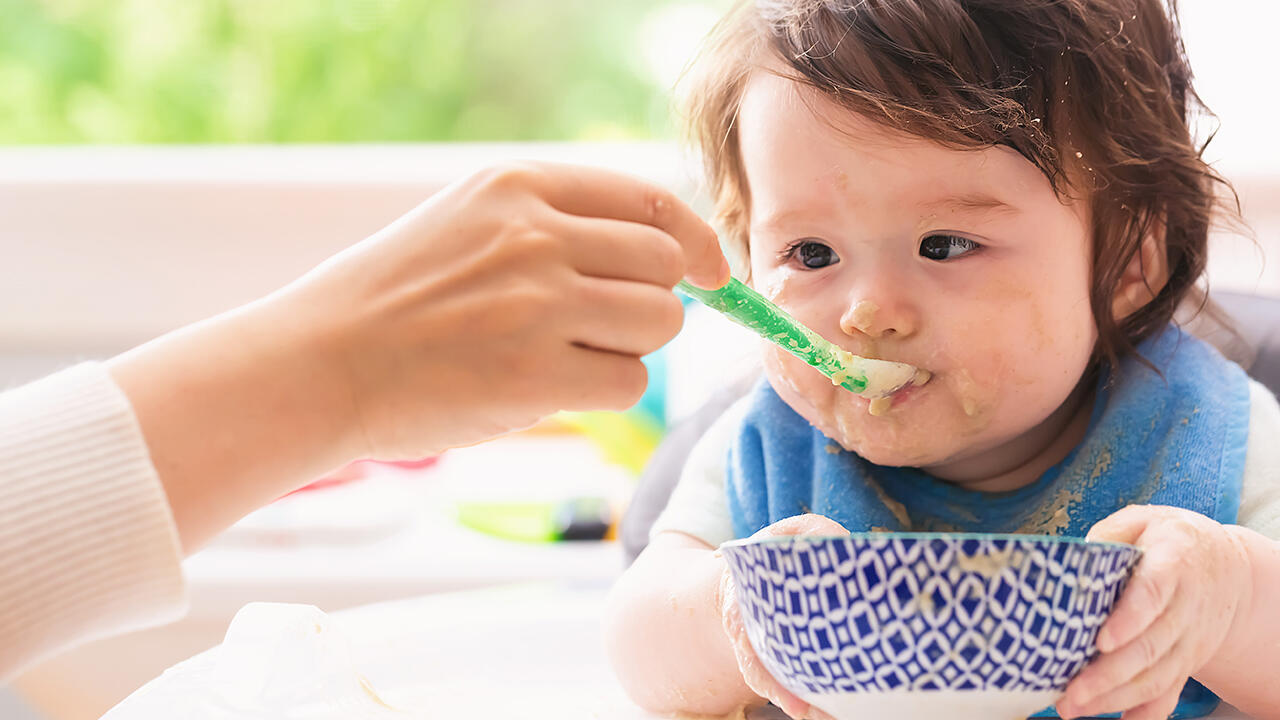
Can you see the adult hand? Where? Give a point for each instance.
(518, 292)
(753, 670)
(515, 293)
(1172, 618)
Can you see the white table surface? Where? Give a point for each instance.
(393, 534)
(528, 651)
(386, 537)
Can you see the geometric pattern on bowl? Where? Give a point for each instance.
(881, 612)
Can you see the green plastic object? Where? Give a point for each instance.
(583, 518)
(863, 376)
(526, 522)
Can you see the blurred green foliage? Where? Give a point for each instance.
(208, 71)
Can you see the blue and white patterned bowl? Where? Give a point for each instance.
(921, 625)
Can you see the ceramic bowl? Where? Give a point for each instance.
(919, 625)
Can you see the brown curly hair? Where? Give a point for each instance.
(1097, 94)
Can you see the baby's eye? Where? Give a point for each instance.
(811, 253)
(946, 247)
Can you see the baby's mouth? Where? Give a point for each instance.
(881, 405)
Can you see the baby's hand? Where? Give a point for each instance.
(753, 671)
(1171, 619)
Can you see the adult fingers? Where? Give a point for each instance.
(624, 317)
(593, 192)
(623, 250)
(1112, 670)
(592, 379)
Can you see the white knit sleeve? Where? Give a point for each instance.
(88, 547)
(1260, 488)
(699, 505)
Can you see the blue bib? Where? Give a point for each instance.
(1151, 440)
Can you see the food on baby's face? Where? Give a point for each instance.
(863, 314)
(881, 405)
(839, 377)
(871, 377)
(970, 394)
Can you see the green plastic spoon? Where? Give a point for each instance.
(870, 378)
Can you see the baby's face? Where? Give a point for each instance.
(962, 263)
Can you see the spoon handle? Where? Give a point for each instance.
(752, 310)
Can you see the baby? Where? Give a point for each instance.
(1007, 195)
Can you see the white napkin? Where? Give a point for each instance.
(277, 662)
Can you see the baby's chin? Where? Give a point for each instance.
(913, 436)
(880, 440)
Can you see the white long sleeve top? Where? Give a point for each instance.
(88, 546)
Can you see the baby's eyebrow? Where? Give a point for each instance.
(971, 202)
(782, 218)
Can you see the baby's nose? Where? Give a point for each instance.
(867, 317)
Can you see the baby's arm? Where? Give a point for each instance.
(1201, 603)
(1244, 670)
(675, 635)
(664, 633)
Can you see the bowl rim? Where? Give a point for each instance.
(961, 536)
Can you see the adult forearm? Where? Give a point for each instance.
(511, 295)
(665, 639)
(1243, 671)
(236, 411)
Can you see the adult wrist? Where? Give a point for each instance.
(306, 358)
(236, 411)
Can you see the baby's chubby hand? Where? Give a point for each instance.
(753, 670)
(1170, 621)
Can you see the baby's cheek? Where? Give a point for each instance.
(787, 373)
(806, 390)
(976, 400)
(839, 414)
(929, 428)
(974, 378)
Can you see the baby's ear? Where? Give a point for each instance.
(1143, 277)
